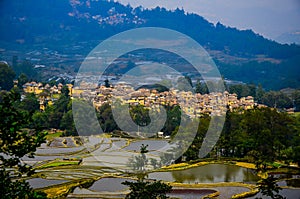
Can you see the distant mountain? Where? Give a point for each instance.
(60, 32)
(289, 38)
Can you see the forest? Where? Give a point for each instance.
(240, 55)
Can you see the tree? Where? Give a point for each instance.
(201, 88)
(65, 91)
(40, 120)
(173, 119)
(184, 83)
(138, 163)
(259, 93)
(106, 83)
(27, 68)
(140, 115)
(231, 139)
(147, 190)
(240, 89)
(22, 79)
(83, 116)
(142, 189)
(269, 187)
(268, 132)
(67, 123)
(63, 104)
(106, 119)
(277, 100)
(14, 61)
(16, 141)
(30, 103)
(54, 116)
(296, 155)
(193, 151)
(296, 100)
(7, 75)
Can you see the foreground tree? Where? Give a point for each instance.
(147, 190)
(7, 75)
(269, 187)
(142, 189)
(269, 132)
(15, 142)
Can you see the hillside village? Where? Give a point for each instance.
(192, 104)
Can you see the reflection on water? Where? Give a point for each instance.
(114, 185)
(152, 145)
(190, 193)
(293, 183)
(285, 175)
(40, 182)
(109, 184)
(290, 183)
(288, 193)
(210, 173)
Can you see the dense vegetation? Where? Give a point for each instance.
(143, 188)
(283, 99)
(16, 141)
(7, 76)
(245, 134)
(260, 135)
(245, 56)
(54, 13)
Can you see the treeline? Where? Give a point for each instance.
(23, 72)
(273, 65)
(217, 37)
(283, 99)
(271, 75)
(60, 114)
(260, 135)
(17, 139)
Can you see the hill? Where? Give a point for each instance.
(60, 33)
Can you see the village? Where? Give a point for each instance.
(192, 104)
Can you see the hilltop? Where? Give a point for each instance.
(58, 34)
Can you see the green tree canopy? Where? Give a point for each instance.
(147, 190)
(16, 141)
(142, 189)
(22, 79)
(30, 103)
(7, 75)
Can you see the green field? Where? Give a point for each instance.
(58, 163)
(53, 135)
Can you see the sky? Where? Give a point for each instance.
(270, 18)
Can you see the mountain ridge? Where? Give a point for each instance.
(61, 25)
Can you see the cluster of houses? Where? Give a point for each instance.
(192, 104)
(47, 95)
(113, 17)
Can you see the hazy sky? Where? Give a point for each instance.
(269, 18)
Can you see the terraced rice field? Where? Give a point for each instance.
(105, 162)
